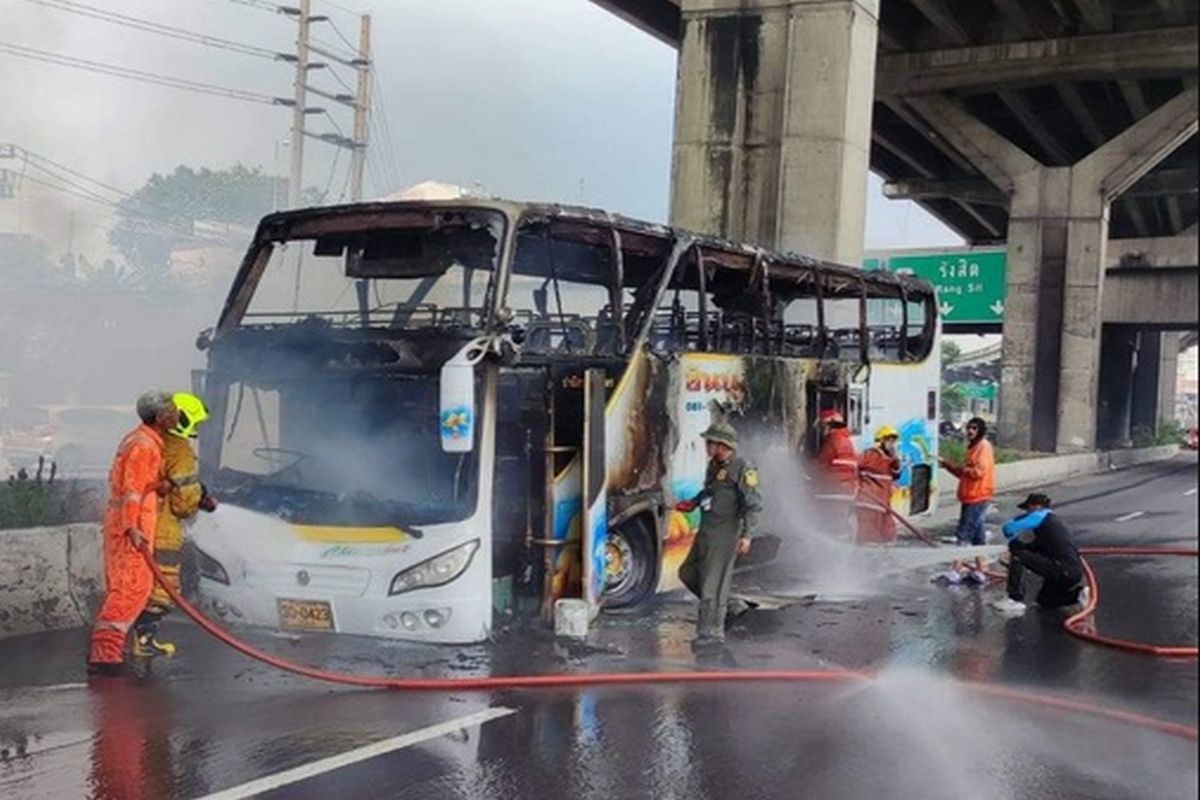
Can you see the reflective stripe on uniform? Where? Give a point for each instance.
(185, 480)
(167, 558)
(113, 625)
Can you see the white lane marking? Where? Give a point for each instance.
(55, 687)
(314, 768)
(1129, 516)
(1190, 492)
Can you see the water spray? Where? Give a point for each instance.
(590, 679)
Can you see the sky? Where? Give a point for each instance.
(530, 99)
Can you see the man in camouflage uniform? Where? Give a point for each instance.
(729, 507)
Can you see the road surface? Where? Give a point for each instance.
(211, 723)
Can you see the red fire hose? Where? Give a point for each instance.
(500, 682)
(1080, 625)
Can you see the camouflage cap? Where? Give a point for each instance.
(721, 432)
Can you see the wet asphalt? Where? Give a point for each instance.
(210, 720)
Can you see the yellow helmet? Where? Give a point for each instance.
(886, 432)
(192, 412)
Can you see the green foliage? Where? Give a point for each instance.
(955, 451)
(1169, 432)
(955, 400)
(161, 214)
(951, 352)
(31, 502)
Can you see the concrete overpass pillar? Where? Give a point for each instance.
(773, 122)
(1058, 233)
(1168, 375)
(1119, 360)
(1143, 413)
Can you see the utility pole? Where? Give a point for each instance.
(296, 176)
(362, 108)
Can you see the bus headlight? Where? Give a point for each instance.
(436, 571)
(211, 568)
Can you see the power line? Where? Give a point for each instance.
(139, 75)
(31, 159)
(332, 170)
(382, 121)
(149, 224)
(70, 188)
(144, 215)
(340, 80)
(259, 4)
(338, 33)
(72, 7)
(334, 50)
(30, 154)
(384, 160)
(340, 7)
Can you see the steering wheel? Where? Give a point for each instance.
(272, 455)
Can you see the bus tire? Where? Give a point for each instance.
(632, 572)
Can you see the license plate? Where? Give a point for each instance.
(306, 615)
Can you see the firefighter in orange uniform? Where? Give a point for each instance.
(134, 483)
(185, 497)
(878, 470)
(837, 457)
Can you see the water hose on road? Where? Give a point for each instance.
(591, 679)
(1080, 626)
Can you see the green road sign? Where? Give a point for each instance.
(970, 283)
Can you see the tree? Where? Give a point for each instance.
(951, 352)
(954, 400)
(161, 214)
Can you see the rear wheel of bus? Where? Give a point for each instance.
(632, 556)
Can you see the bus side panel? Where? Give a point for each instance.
(905, 396)
(567, 527)
(763, 397)
(637, 426)
(635, 431)
(703, 388)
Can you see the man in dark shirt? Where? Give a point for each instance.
(1040, 542)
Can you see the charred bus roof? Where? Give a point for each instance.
(564, 223)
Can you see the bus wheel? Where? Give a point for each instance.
(630, 573)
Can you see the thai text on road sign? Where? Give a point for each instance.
(969, 283)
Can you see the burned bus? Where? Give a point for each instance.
(426, 411)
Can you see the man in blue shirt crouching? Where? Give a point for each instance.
(1040, 542)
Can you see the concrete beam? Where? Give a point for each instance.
(1082, 114)
(1167, 52)
(1120, 163)
(970, 190)
(944, 19)
(1134, 98)
(1167, 251)
(1029, 119)
(1016, 15)
(1097, 14)
(1163, 297)
(1173, 10)
(659, 18)
(996, 157)
(1166, 183)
